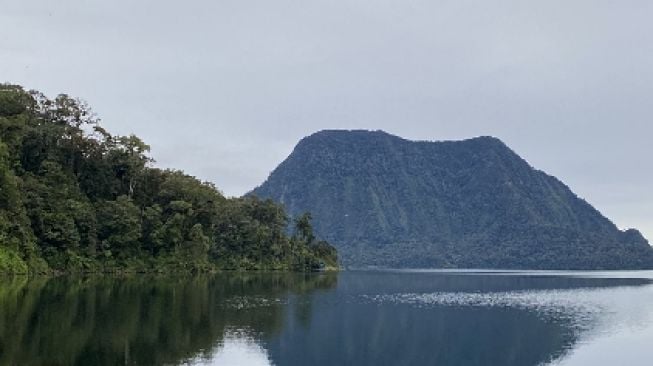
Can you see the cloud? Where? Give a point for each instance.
(224, 89)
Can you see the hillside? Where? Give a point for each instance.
(74, 198)
(386, 201)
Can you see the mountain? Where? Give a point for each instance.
(387, 201)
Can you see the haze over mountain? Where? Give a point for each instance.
(386, 201)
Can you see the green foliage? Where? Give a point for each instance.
(75, 198)
(386, 201)
(119, 226)
(304, 228)
(11, 262)
(252, 235)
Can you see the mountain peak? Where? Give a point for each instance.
(348, 135)
(364, 133)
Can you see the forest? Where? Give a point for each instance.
(75, 198)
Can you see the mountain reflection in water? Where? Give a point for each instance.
(351, 318)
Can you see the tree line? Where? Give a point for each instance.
(74, 197)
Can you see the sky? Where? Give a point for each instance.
(225, 89)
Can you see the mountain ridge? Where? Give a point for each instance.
(385, 200)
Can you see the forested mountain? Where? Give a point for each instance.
(386, 201)
(73, 197)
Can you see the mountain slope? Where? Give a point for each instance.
(386, 201)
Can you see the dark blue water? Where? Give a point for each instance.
(351, 318)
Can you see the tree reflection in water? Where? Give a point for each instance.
(138, 320)
(351, 318)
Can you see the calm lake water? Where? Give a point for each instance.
(351, 318)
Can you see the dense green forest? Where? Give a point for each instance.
(75, 198)
(386, 201)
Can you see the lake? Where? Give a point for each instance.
(349, 318)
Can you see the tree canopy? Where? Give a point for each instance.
(76, 198)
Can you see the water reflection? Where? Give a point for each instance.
(237, 348)
(136, 321)
(355, 318)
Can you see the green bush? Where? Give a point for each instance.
(11, 263)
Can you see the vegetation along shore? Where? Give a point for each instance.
(75, 198)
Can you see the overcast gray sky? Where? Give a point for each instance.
(224, 89)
